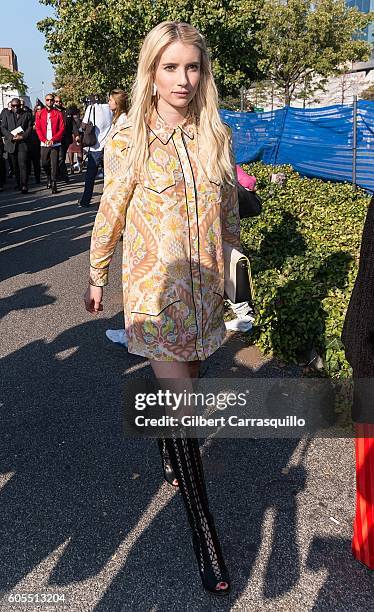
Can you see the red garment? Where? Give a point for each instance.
(363, 537)
(57, 123)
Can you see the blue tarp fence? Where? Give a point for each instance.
(317, 142)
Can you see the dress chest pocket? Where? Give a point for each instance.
(159, 182)
(159, 172)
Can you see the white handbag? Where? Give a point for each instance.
(238, 277)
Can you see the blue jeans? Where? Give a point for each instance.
(95, 158)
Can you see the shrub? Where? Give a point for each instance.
(304, 251)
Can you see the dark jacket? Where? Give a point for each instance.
(70, 127)
(77, 125)
(358, 329)
(33, 140)
(2, 162)
(9, 121)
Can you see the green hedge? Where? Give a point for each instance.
(304, 250)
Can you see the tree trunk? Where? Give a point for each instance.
(287, 96)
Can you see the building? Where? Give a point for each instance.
(365, 6)
(8, 59)
(363, 71)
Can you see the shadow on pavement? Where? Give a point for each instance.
(69, 474)
(33, 296)
(71, 480)
(348, 585)
(42, 221)
(70, 471)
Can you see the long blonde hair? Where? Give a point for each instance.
(214, 139)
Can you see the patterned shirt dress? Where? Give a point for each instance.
(175, 219)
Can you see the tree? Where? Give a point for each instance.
(12, 80)
(71, 87)
(310, 88)
(259, 94)
(96, 42)
(93, 43)
(368, 94)
(305, 41)
(230, 28)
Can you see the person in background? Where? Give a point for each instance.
(100, 116)
(75, 148)
(34, 145)
(2, 163)
(24, 107)
(20, 121)
(70, 134)
(50, 127)
(358, 341)
(118, 104)
(8, 163)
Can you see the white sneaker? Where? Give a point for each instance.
(117, 335)
(100, 174)
(77, 166)
(242, 310)
(242, 324)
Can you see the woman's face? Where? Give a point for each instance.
(177, 76)
(112, 103)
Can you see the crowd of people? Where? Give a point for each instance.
(38, 139)
(51, 135)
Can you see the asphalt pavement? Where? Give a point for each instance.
(85, 515)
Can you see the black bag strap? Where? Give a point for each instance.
(94, 120)
(89, 114)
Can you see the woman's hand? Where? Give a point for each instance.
(93, 299)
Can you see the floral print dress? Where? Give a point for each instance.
(175, 219)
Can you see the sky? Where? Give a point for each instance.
(18, 30)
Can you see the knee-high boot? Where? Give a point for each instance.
(186, 462)
(169, 474)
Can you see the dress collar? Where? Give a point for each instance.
(159, 128)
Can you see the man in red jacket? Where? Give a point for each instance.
(50, 127)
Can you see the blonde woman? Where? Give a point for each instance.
(170, 183)
(118, 104)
